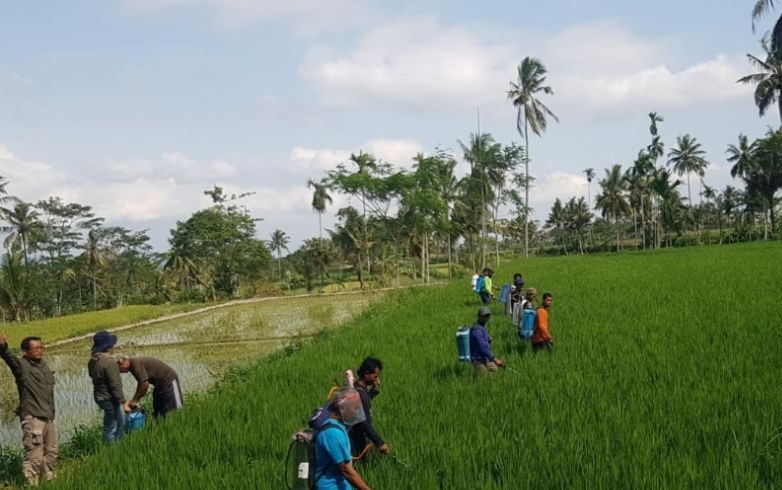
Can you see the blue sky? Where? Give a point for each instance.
(136, 106)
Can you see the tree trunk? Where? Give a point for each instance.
(643, 224)
(449, 255)
(483, 226)
(366, 236)
(635, 229)
(496, 230)
(320, 224)
(526, 186)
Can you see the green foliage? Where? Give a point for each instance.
(11, 467)
(655, 383)
(85, 440)
(221, 242)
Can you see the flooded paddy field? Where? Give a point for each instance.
(201, 348)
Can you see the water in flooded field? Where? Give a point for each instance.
(201, 348)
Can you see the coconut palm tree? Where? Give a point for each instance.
(669, 203)
(320, 196)
(484, 156)
(710, 194)
(612, 201)
(741, 156)
(94, 259)
(687, 158)
(15, 286)
(730, 201)
(532, 112)
(279, 242)
(764, 177)
(557, 222)
(767, 81)
(590, 175)
(761, 8)
(23, 227)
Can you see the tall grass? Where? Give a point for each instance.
(665, 375)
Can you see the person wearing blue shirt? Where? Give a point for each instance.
(334, 469)
(480, 348)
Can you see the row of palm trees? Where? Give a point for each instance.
(648, 195)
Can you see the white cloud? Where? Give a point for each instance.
(597, 67)
(400, 153)
(308, 161)
(657, 87)
(416, 62)
(556, 184)
(313, 162)
(27, 179)
(172, 166)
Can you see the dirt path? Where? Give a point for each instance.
(238, 302)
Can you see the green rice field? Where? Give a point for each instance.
(666, 374)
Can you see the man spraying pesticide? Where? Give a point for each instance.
(326, 462)
(480, 349)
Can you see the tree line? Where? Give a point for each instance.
(62, 258)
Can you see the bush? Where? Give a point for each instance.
(11, 467)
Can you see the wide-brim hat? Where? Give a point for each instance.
(103, 341)
(484, 311)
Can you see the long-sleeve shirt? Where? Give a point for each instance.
(35, 383)
(479, 344)
(366, 428)
(106, 382)
(541, 327)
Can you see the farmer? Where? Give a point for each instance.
(166, 396)
(517, 289)
(480, 351)
(334, 468)
(35, 383)
(363, 435)
(485, 290)
(541, 339)
(516, 297)
(529, 299)
(107, 386)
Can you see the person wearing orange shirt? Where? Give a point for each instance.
(542, 339)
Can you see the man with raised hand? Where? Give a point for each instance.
(35, 383)
(166, 396)
(480, 350)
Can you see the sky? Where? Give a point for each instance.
(135, 107)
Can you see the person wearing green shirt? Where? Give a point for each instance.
(486, 293)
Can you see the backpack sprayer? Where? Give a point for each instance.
(302, 449)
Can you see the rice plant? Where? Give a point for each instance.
(665, 375)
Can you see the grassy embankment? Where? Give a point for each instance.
(666, 375)
(65, 327)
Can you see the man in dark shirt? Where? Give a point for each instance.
(363, 435)
(35, 383)
(167, 396)
(480, 350)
